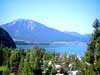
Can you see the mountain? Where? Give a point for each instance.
(6, 40)
(83, 37)
(29, 30)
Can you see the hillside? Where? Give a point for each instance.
(6, 40)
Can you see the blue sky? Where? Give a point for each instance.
(63, 15)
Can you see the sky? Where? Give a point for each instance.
(64, 15)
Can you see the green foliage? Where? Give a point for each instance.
(3, 68)
(21, 67)
(92, 46)
(97, 67)
(96, 24)
(72, 58)
(98, 49)
(92, 56)
(6, 53)
(13, 58)
(36, 61)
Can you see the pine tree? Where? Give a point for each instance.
(21, 65)
(97, 60)
(24, 66)
(98, 49)
(90, 54)
(37, 61)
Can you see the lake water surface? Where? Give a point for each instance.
(78, 49)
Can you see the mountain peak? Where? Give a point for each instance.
(23, 20)
(31, 30)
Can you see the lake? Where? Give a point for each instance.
(76, 48)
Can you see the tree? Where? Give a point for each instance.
(90, 54)
(98, 49)
(5, 56)
(24, 66)
(97, 60)
(37, 61)
(21, 65)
